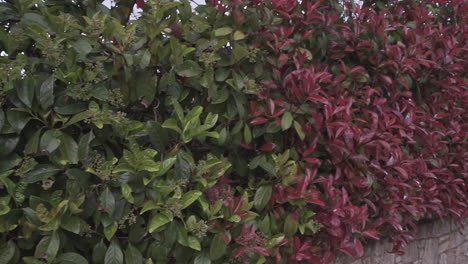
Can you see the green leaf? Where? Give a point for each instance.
(202, 259)
(99, 252)
(46, 93)
(7, 252)
(32, 260)
(8, 144)
(84, 145)
(25, 91)
(114, 254)
(286, 121)
(127, 193)
(9, 162)
(2, 119)
(17, 119)
(72, 258)
(166, 165)
(68, 150)
(194, 243)
(145, 59)
(145, 84)
(223, 31)
(188, 68)
(172, 124)
(133, 255)
(110, 230)
(178, 109)
(182, 170)
(262, 196)
(290, 226)
(33, 143)
(299, 130)
(157, 221)
(42, 172)
(72, 224)
(189, 198)
(158, 135)
(50, 140)
(150, 205)
(107, 201)
(33, 19)
(238, 53)
(217, 247)
(48, 247)
(82, 47)
(247, 134)
(275, 240)
(238, 35)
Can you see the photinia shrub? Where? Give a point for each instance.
(240, 131)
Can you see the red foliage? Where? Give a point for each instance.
(388, 109)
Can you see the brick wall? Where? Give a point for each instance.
(440, 242)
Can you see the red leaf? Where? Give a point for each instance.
(140, 4)
(312, 160)
(268, 147)
(316, 201)
(271, 106)
(402, 172)
(261, 251)
(371, 233)
(258, 121)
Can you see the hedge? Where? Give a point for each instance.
(240, 131)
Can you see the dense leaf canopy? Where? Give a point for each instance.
(244, 131)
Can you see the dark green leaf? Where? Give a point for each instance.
(217, 247)
(238, 53)
(33, 143)
(72, 224)
(202, 259)
(8, 144)
(7, 252)
(188, 69)
(107, 201)
(18, 119)
(133, 255)
(9, 162)
(114, 254)
(42, 172)
(145, 84)
(158, 135)
(182, 168)
(72, 258)
(68, 150)
(82, 47)
(25, 91)
(2, 119)
(50, 141)
(99, 252)
(48, 247)
(46, 94)
(84, 145)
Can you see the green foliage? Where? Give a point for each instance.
(114, 131)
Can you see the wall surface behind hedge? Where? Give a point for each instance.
(436, 243)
